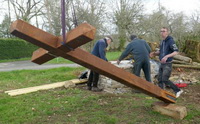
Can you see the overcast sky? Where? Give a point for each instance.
(186, 6)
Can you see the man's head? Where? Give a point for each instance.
(164, 32)
(133, 36)
(109, 39)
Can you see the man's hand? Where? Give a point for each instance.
(164, 59)
(156, 53)
(152, 54)
(118, 62)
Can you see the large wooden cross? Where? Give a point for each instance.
(51, 47)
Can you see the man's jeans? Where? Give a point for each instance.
(163, 77)
(145, 66)
(93, 79)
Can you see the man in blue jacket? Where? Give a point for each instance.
(140, 51)
(168, 49)
(99, 50)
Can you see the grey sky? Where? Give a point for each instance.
(186, 6)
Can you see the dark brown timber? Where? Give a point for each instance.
(77, 37)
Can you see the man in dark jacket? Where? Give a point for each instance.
(168, 49)
(140, 51)
(99, 50)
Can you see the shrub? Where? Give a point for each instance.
(15, 49)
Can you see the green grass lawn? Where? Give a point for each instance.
(113, 55)
(76, 105)
(59, 60)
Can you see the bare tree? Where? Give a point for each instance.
(52, 16)
(195, 23)
(179, 27)
(27, 9)
(4, 27)
(127, 17)
(94, 13)
(152, 23)
(176, 22)
(9, 15)
(52, 19)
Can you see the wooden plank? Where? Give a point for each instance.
(44, 87)
(94, 63)
(186, 66)
(41, 56)
(34, 35)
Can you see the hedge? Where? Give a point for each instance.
(15, 49)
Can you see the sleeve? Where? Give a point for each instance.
(102, 53)
(147, 46)
(126, 52)
(173, 46)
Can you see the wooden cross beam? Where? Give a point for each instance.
(51, 47)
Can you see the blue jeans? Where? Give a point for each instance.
(163, 77)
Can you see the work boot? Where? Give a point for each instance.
(96, 89)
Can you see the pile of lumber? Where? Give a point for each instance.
(181, 61)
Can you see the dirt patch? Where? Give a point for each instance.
(191, 94)
(192, 90)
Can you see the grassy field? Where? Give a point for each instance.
(76, 105)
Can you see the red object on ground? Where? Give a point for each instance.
(181, 85)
